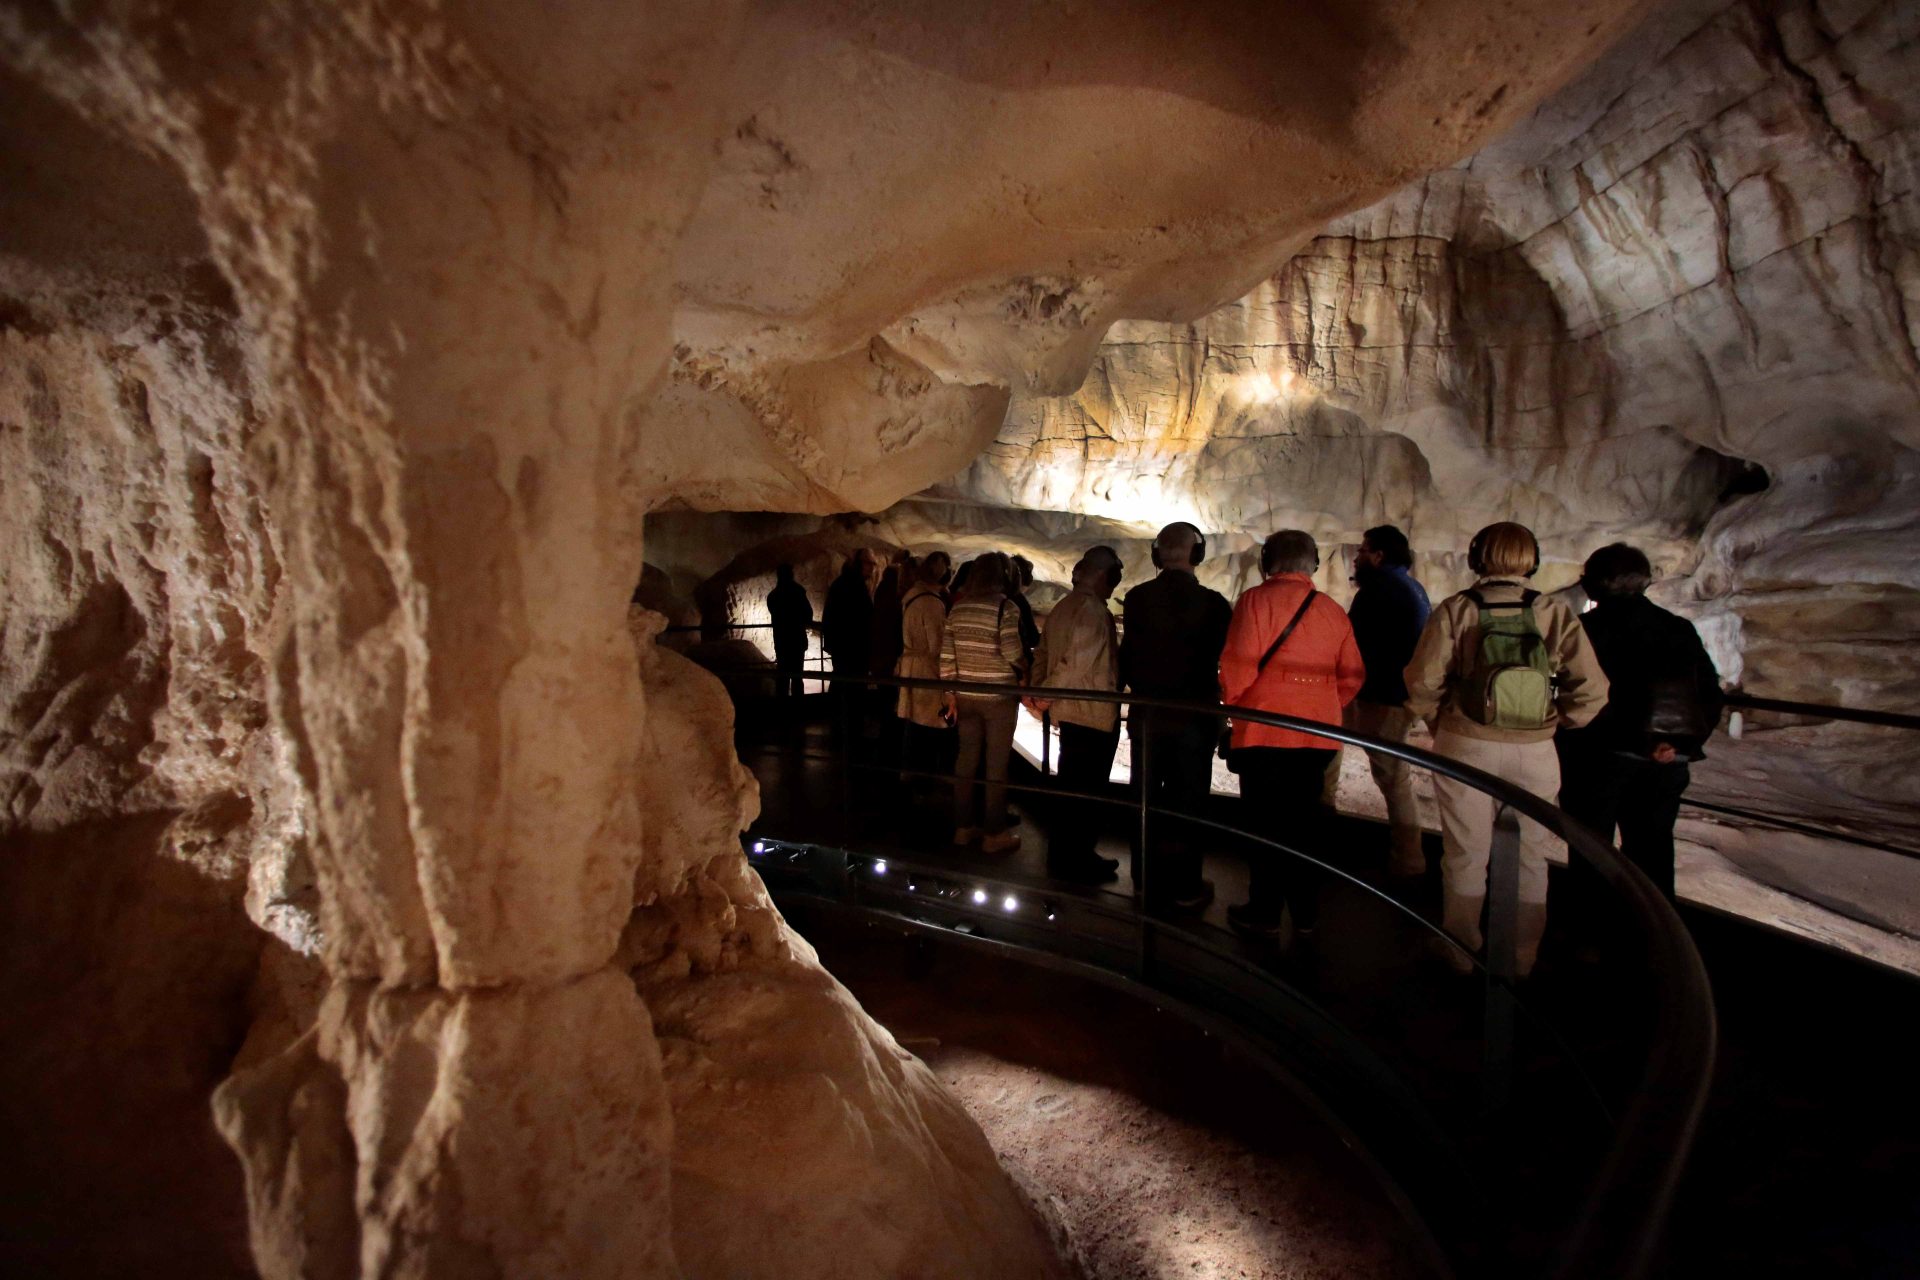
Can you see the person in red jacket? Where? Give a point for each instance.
(1290, 650)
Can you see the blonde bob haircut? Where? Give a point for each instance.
(1504, 550)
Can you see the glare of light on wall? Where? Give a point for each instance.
(1264, 388)
(979, 897)
(1009, 903)
(880, 867)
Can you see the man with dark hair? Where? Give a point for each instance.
(1017, 583)
(846, 626)
(792, 614)
(1388, 612)
(1628, 766)
(1172, 632)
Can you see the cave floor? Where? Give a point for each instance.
(1808, 1161)
(1157, 1150)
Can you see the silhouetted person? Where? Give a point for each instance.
(1388, 613)
(1020, 577)
(846, 624)
(1172, 632)
(1628, 767)
(1079, 649)
(982, 646)
(883, 648)
(1290, 651)
(1497, 670)
(792, 614)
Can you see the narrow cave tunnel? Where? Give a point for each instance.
(808, 640)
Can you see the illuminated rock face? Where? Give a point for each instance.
(344, 350)
(1697, 260)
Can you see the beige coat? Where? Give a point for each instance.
(1446, 653)
(1078, 650)
(923, 620)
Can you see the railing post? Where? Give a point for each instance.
(836, 696)
(1046, 743)
(1142, 755)
(1503, 915)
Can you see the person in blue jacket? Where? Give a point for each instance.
(1387, 613)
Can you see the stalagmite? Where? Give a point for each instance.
(341, 354)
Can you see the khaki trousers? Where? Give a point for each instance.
(1466, 835)
(1394, 777)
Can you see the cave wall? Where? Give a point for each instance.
(344, 350)
(1699, 257)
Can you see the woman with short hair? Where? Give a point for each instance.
(1498, 668)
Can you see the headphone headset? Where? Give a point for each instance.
(1199, 543)
(1475, 561)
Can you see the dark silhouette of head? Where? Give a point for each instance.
(1180, 545)
(1389, 545)
(1615, 572)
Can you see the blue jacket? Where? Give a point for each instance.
(1388, 613)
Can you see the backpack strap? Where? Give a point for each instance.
(1480, 602)
(1274, 648)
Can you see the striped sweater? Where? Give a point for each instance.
(983, 643)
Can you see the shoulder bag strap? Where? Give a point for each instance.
(1298, 614)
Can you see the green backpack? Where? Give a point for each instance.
(1510, 685)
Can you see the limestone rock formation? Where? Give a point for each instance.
(1678, 305)
(344, 349)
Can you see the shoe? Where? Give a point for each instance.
(965, 835)
(1092, 869)
(1245, 918)
(1000, 842)
(1192, 899)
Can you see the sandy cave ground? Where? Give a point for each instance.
(1158, 1152)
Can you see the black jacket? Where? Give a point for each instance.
(1174, 630)
(846, 628)
(1662, 684)
(1387, 613)
(792, 614)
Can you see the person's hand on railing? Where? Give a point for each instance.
(1663, 753)
(1039, 706)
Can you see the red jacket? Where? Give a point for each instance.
(1315, 674)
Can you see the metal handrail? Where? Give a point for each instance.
(1822, 711)
(1627, 1202)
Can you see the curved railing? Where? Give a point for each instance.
(1734, 701)
(1625, 1203)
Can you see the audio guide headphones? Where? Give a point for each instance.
(1199, 543)
(1476, 550)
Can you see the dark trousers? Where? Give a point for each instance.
(1605, 789)
(1283, 790)
(986, 741)
(1178, 773)
(850, 701)
(1086, 762)
(789, 664)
